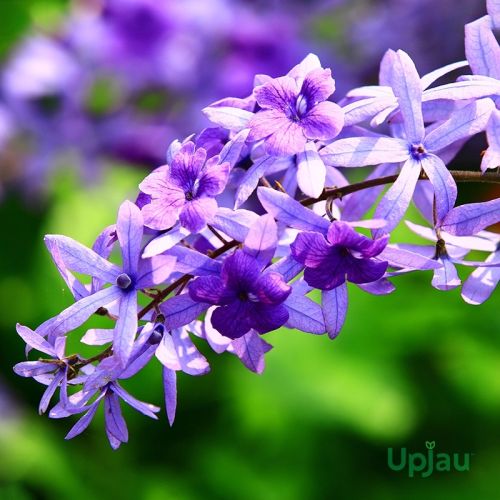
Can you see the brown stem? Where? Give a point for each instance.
(458, 175)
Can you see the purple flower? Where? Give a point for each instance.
(248, 298)
(342, 255)
(419, 150)
(185, 190)
(134, 275)
(295, 111)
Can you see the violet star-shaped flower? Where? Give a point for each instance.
(184, 190)
(343, 255)
(134, 275)
(419, 151)
(247, 297)
(295, 111)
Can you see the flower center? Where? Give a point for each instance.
(123, 281)
(417, 151)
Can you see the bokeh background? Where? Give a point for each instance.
(91, 93)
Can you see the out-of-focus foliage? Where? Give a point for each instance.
(414, 366)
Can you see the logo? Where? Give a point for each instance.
(426, 463)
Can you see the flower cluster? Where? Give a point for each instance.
(252, 225)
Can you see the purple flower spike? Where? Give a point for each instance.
(294, 111)
(342, 255)
(185, 190)
(248, 298)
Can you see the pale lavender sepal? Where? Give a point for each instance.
(289, 211)
(471, 218)
(357, 204)
(311, 171)
(481, 47)
(78, 313)
(428, 79)
(81, 259)
(445, 277)
(98, 336)
(304, 314)
(230, 118)
(129, 228)
(192, 262)
(165, 241)
(49, 392)
(407, 88)
(251, 348)
(359, 111)
(445, 187)
(170, 389)
(380, 287)
(288, 267)
(154, 271)
(234, 223)
(406, 259)
(113, 417)
(465, 122)
(363, 151)
(479, 286)
(491, 158)
(33, 368)
(395, 202)
(464, 89)
(334, 308)
(231, 152)
(262, 239)
(251, 179)
(181, 310)
(423, 197)
(126, 327)
(35, 340)
(145, 408)
(77, 288)
(83, 422)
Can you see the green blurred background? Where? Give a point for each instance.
(416, 366)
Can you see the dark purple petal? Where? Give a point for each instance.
(233, 320)
(310, 249)
(323, 122)
(240, 271)
(265, 317)
(365, 270)
(272, 289)
(196, 213)
(208, 289)
(278, 94)
(214, 178)
(318, 85)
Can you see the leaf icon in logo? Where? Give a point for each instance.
(430, 444)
